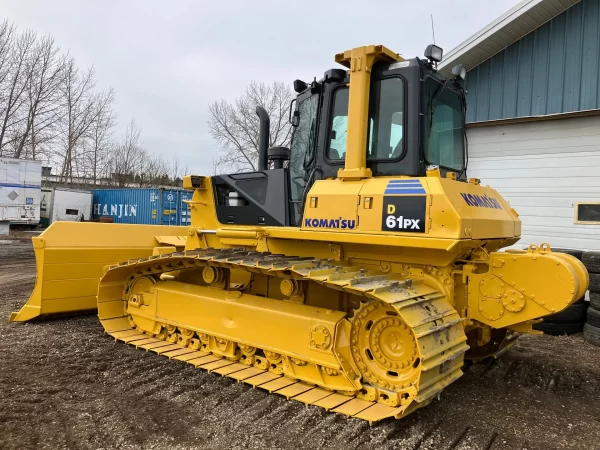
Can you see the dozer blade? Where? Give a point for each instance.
(71, 257)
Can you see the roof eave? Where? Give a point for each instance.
(507, 29)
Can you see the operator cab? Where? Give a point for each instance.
(416, 118)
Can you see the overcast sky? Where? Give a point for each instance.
(167, 60)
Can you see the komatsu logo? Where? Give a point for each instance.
(331, 223)
(481, 201)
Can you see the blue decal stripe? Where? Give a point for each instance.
(399, 188)
(405, 191)
(26, 186)
(404, 182)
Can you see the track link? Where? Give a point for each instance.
(388, 300)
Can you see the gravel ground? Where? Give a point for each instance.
(65, 384)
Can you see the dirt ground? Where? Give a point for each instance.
(65, 384)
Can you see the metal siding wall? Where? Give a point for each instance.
(525, 75)
(591, 38)
(539, 88)
(543, 169)
(496, 88)
(554, 69)
(471, 87)
(510, 85)
(573, 49)
(483, 81)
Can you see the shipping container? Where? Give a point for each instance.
(60, 204)
(20, 189)
(142, 206)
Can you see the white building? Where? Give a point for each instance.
(533, 113)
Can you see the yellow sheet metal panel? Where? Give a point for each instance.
(484, 213)
(247, 318)
(116, 324)
(71, 257)
(521, 286)
(427, 207)
(332, 204)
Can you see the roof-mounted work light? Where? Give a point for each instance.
(459, 71)
(433, 53)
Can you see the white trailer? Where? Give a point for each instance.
(20, 188)
(61, 204)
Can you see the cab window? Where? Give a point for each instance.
(386, 121)
(444, 127)
(303, 146)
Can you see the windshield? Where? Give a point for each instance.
(444, 139)
(303, 146)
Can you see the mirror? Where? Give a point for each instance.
(296, 119)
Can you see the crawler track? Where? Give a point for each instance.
(388, 305)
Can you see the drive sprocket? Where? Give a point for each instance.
(384, 347)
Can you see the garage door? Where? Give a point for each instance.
(544, 169)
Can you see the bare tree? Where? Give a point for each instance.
(100, 141)
(7, 32)
(14, 85)
(50, 110)
(132, 165)
(127, 157)
(177, 172)
(153, 171)
(43, 108)
(235, 127)
(80, 113)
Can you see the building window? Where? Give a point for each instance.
(587, 213)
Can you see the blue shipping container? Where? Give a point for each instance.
(143, 206)
(174, 210)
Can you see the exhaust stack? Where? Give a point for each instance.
(263, 143)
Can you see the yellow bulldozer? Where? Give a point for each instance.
(355, 271)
